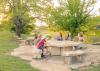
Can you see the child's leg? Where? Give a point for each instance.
(46, 51)
(42, 55)
(42, 49)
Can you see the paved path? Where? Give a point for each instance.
(52, 64)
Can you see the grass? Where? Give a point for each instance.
(9, 63)
(7, 42)
(94, 68)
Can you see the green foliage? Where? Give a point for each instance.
(18, 16)
(91, 33)
(6, 25)
(71, 15)
(90, 28)
(27, 25)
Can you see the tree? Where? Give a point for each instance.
(18, 10)
(71, 15)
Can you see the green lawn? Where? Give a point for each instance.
(7, 42)
(95, 68)
(9, 63)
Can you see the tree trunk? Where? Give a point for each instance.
(17, 26)
(18, 31)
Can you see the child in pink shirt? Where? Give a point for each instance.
(40, 45)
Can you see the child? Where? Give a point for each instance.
(40, 45)
(59, 37)
(81, 40)
(68, 37)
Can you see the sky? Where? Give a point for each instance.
(97, 7)
(95, 11)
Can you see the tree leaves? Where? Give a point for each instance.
(72, 15)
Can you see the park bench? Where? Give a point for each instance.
(72, 57)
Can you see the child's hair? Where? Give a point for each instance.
(60, 34)
(81, 34)
(45, 47)
(36, 36)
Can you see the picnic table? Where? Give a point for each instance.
(57, 47)
(64, 43)
(66, 49)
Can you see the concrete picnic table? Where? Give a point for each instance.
(66, 49)
(57, 47)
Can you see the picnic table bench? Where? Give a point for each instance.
(72, 57)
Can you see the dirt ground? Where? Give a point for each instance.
(55, 63)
